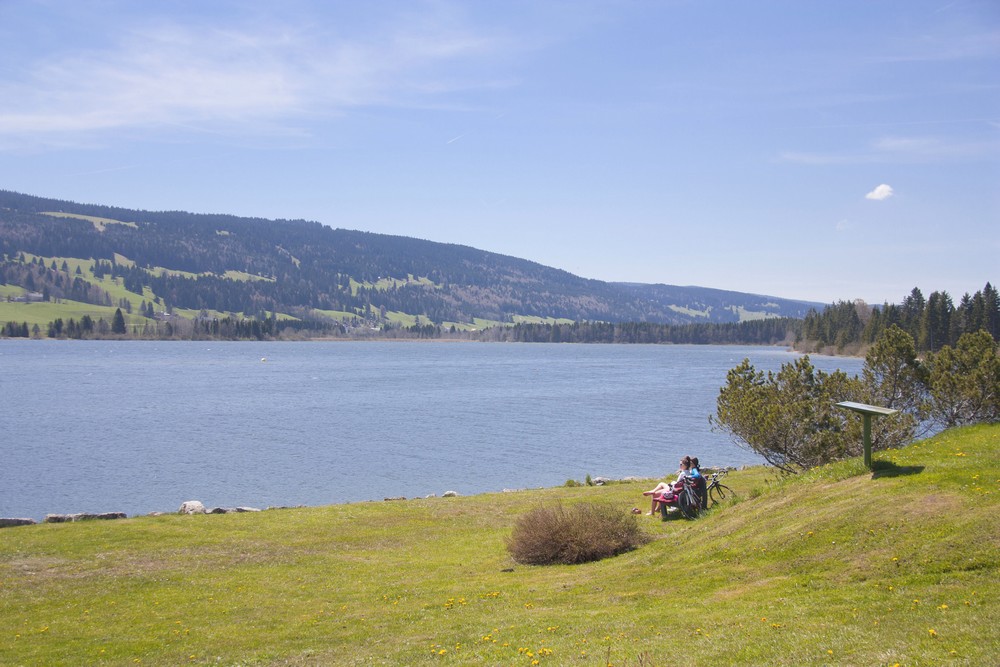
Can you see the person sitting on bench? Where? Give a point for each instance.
(664, 488)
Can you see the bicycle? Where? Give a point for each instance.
(685, 499)
(717, 491)
(688, 500)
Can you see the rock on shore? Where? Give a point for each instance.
(83, 516)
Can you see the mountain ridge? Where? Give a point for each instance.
(302, 269)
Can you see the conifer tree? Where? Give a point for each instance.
(118, 323)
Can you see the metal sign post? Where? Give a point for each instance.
(867, 411)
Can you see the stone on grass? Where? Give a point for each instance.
(7, 523)
(83, 516)
(192, 507)
(232, 510)
(450, 494)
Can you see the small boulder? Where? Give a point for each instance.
(450, 494)
(84, 516)
(192, 507)
(7, 523)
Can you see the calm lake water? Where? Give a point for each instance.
(136, 427)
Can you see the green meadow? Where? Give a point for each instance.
(42, 313)
(837, 566)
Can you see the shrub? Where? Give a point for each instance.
(577, 534)
(790, 419)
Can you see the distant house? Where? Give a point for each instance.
(28, 297)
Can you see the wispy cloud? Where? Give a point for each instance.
(880, 193)
(228, 80)
(900, 150)
(947, 47)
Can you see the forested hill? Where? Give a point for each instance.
(302, 269)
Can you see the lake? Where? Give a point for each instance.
(136, 427)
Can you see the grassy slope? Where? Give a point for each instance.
(833, 567)
(41, 313)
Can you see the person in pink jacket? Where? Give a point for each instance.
(666, 489)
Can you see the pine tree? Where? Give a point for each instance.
(991, 311)
(118, 323)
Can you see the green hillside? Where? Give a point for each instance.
(256, 268)
(836, 566)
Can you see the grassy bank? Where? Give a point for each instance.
(837, 566)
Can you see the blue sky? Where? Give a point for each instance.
(814, 150)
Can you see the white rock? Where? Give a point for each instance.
(450, 494)
(192, 507)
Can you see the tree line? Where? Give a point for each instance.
(771, 331)
(932, 322)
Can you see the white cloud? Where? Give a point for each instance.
(228, 80)
(880, 193)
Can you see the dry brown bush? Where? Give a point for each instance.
(576, 534)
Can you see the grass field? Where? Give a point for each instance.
(42, 313)
(100, 224)
(838, 566)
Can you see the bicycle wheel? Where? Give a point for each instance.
(688, 503)
(718, 493)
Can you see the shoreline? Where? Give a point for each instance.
(198, 507)
(74, 517)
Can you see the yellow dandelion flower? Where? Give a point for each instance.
(944, 606)
(932, 632)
